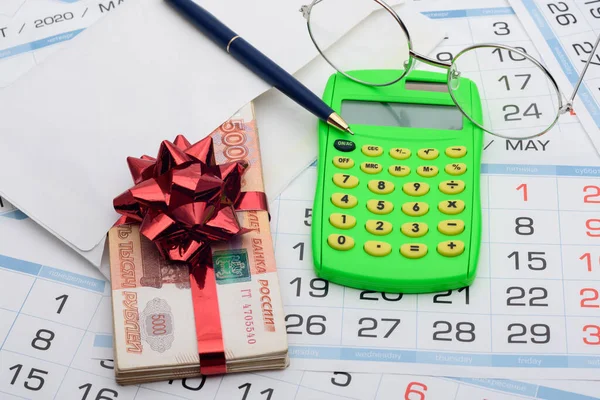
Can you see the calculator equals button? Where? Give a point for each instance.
(413, 250)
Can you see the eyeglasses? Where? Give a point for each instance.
(521, 97)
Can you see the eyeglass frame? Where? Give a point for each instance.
(563, 106)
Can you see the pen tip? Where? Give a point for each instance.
(350, 131)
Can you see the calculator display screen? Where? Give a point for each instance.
(408, 115)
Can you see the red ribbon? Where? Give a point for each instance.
(184, 202)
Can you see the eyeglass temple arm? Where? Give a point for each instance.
(569, 104)
(430, 61)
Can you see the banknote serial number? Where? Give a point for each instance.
(248, 317)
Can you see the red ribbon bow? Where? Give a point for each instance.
(183, 199)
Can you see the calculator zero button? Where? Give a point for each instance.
(455, 169)
(340, 242)
(415, 188)
(343, 200)
(345, 181)
(342, 221)
(451, 207)
(451, 248)
(413, 250)
(377, 248)
(343, 162)
(377, 227)
(428, 154)
(456, 151)
(380, 206)
(451, 227)
(370, 168)
(381, 187)
(415, 209)
(372, 150)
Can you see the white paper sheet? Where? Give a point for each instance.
(136, 77)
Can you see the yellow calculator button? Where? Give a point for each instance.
(342, 221)
(377, 227)
(371, 150)
(399, 153)
(451, 207)
(340, 242)
(428, 154)
(345, 181)
(451, 227)
(343, 162)
(380, 187)
(415, 188)
(399, 170)
(415, 209)
(380, 206)
(456, 151)
(414, 229)
(370, 167)
(343, 200)
(427, 171)
(456, 169)
(377, 248)
(451, 248)
(452, 187)
(413, 250)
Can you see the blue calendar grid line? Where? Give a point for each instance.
(39, 44)
(445, 358)
(563, 59)
(54, 274)
(562, 273)
(474, 12)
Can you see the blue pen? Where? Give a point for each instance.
(258, 63)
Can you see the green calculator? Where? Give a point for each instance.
(397, 205)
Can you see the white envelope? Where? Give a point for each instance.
(140, 75)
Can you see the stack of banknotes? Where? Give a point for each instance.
(155, 329)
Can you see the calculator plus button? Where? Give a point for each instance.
(377, 227)
(428, 154)
(415, 188)
(400, 153)
(414, 229)
(343, 200)
(456, 169)
(427, 171)
(343, 162)
(381, 187)
(451, 227)
(413, 250)
(451, 248)
(377, 248)
(456, 151)
(451, 207)
(340, 242)
(372, 150)
(380, 206)
(370, 167)
(342, 221)
(344, 145)
(415, 209)
(452, 187)
(399, 170)
(345, 181)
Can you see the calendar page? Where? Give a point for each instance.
(533, 310)
(564, 33)
(56, 343)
